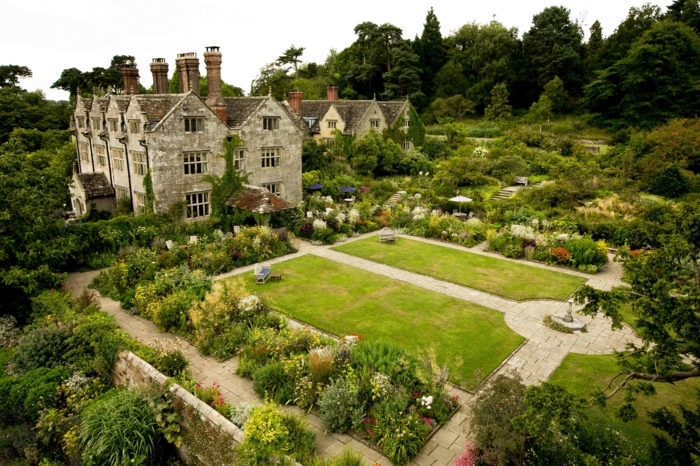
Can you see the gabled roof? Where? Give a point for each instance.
(87, 104)
(351, 111)
(103, 102)
(156, 106)
(95, 185)
(122, 102)
(239, 109)
(392, 110)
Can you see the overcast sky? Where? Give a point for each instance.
(51, 35)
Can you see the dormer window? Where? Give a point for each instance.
(374, 123)
(96, 123)
(332, 124)
(406, 122)
(194, 125)
(271, 123)
(134, 126)
(113, 125)
(80, 121)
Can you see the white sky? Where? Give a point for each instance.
(51, 35)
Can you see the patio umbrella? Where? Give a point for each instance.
(347, 189)
(315, 187)
(460, 200)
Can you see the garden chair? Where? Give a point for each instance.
(262, 273)
(350, 200)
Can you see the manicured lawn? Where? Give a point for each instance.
(629, 316)
(341, 299)
(581, 374)
(500, 277)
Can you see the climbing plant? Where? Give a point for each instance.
(223, 187)
(148, 187)
(415, 133)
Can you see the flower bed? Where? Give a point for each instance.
(540, 242)
(374, 389)
(162, 285)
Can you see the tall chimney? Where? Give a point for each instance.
(295, 98)
(159, 69)
(215, 99)
(130, 73)
(188, 68)
(332, 92)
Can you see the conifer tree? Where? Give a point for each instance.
(433, 53)
(499, 109)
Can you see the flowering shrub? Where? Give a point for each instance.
(212, 397)
(469, 457)
(561, 255)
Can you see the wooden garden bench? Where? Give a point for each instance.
(262, 273)
(386, 235)
(521, 180)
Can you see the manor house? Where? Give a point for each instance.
(176, 138)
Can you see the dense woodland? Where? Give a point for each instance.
(494, 105)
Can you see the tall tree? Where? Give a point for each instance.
(432, 56)
(98, 81)
(291, 56)
(484, 52)
(553, 46)
(685, 11)
(499, 109)
(657, 81)
(11, 74)
(594, 47)
(638, 21)
(404, 78)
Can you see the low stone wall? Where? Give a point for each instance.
(208, 438)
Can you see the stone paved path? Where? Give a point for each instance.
(535, 360)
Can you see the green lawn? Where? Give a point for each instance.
(504, 278)
(581, 373)
(341, 299)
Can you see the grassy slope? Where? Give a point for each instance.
(500, 277)
(580, 374)
(342, 299)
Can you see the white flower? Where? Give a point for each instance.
(480, 151)
(340, 217)
(417, 196)
(426, 401)
(427, 173)
(535, 222)
(420, 173)
(249, 303)
(320, 224)
(522, 231)
(418, 217)
(353, 215)
(562, 237)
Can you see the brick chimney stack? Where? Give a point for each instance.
(130, 73)
(332, 92)
(295, 98)
(188, 71)
(159, 69)
(215, 99)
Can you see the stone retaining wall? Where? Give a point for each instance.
(208, 438)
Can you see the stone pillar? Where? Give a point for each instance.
(332, 92)
(159, 69)
(295, 98)
(215, 98)
(188, 68)
(130, 73)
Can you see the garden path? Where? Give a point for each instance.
(535, 360)
(447, 443)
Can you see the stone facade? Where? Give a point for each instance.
(350, 117)
(177, 137)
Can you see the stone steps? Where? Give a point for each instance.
(395, 198)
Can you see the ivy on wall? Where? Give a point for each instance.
(415, 133)
(223, 187)
(148, 187)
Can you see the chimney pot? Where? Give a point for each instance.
(188, 71)
(130, 74)
(332, 92)
(159, 69)
(215, 98)
(295, 99)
